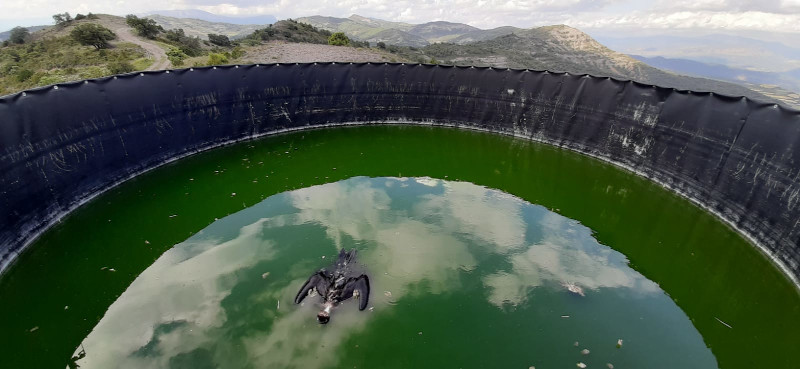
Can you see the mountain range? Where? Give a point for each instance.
(405, 34)
(215, 18)
(555, 48)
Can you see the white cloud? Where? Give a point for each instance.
(766, 15)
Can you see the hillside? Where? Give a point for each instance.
(5, 35)
(555, 48)
(201, 28)
(789, 80)
(404, 34)
(52, 56)
(259, 20)
(565, 49)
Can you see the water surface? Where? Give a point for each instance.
(62, 287)
(455, 268)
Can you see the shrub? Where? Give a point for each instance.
(381, 45)
(237, 52)
(119, 67)
(18, 35)
(219, 40)
(93, 35)
(92, 16)
(146, 27)
(176, 56)
(23, 75)
(216, 59)
(80, 16)
(62, 19)
(189, 45)
(338, 39)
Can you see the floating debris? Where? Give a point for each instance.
(34, 329)
(103, 268)
(265, 275)
(574, 288)
(565, 316)
(323, 256)
(233, 193)
(387, 293)
(371, 308)
(420, 333)
(112, 270)
(66, 307)
(581, 365)
(585, 351)
(279, 305)
(575, 344)
(173, 215)
(531, 367)
(723, 323)
(610, 366)
(619, 343)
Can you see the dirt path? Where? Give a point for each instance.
(161, 61)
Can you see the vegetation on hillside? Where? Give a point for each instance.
(61, 59)
(145, 27)
(338, 39)
(18, 35)
(91, 34)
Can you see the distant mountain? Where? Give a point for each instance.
(441, 31)
(733, 51)
(216, 18)
(404, 34)
(5, 35)
(565, 49)
(397, 37)
(201, 28)
(483, 35)
(787, 80)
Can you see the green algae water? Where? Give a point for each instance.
(454, 267)
(471, 241)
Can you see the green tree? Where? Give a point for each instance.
(338, 39)
(176, 56)
(145, 27)
(18, 35)
(79, 16)
(189, 45)
(92, 34)
(219, 40)
(217, 59)
(62, 19)
(92, 16)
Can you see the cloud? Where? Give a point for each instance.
(701, 19)
(767, 15)
(204, 299)
(566, 253)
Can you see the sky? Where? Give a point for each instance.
(621, 15)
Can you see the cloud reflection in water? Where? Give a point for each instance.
(187, 307)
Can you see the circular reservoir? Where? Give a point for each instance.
(483, 251)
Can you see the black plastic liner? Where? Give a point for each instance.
(61, 145)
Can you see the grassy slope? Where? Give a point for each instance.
(53, 57)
